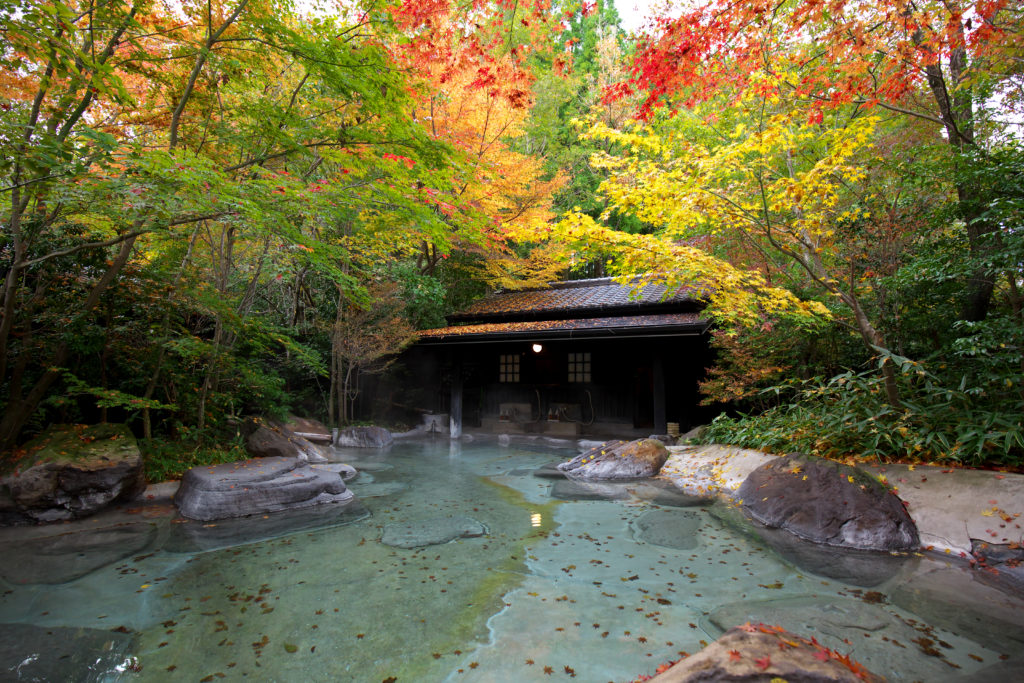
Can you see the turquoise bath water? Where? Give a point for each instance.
(597, 585)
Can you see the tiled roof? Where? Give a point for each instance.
(624, 325)
(574, 297)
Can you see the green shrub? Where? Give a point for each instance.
(847, 416)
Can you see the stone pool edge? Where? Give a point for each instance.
(949, 506)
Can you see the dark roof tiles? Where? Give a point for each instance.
(575, 296)
(691, 321)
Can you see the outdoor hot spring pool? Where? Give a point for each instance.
(601, 585)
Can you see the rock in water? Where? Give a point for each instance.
(763, 653)
(431, 531)
(364, 437)
(269, 439)
(618, 460)
(257, 486)
(827, 502)
(73, 472)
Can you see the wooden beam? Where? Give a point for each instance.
(660, 419)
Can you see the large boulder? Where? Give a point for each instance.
(827, 502)
(309, 429)
(364, 437)
(72, 472)
(270, 439)
(257, 486)
(618, 460)
(757, 653)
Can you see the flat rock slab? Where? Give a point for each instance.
(581, 490)
(66, 557)
(618, 460)
(347, 472)
(759, 653)
(379, 489)
(192, 536)
(827, 502)
(668, 528)
(61, 654)
(947, 597)
(864, 568)
(256, 486)
(549, 471)
(431, 531)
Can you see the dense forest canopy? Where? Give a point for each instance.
(225, 208)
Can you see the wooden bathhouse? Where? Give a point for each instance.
(587, 357)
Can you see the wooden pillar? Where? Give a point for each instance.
(455, 416)
(660, 419)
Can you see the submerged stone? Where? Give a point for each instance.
(579, 490)
(195, 536)
(431, 531)
(255, 487)
(668, 528)
(857, 567)
(549, 471)
(378, 489)
(66, 557)
(827, 502)
(57, 653)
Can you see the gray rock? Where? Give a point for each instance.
(577, 490)
(827, 502)
(669, 528)
(255, 487)
(618, 460)
(364, 437)
(431, 531)
(695, 433)
(1004, 562)
(73, 472)
(269, 439)
(309, 429)
(763, 654)
(66, 557)
(57, 653)
(347, 472)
